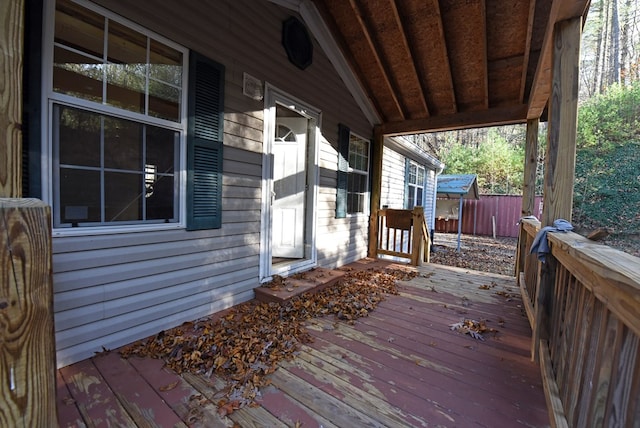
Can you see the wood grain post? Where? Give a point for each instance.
(417, 240)
(560, 158)
(528, 190)
(27, 348)
(376, 190)
(530, 166)
(11, 53)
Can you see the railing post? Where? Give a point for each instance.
(27, 348)
(376, 190)
(417, 241)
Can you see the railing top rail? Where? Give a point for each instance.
(532, 226)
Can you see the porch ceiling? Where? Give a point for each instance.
(431, 65)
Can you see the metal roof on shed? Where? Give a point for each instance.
(455, 185)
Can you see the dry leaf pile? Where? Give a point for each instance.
(252, 338)
(473, 328)
(478, 253)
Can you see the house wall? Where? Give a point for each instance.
(393, 185)
(113, 289)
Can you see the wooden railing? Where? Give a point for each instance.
(404, 233)
(584, 307)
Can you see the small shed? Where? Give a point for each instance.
(452, 190)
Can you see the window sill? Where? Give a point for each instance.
(114, 230)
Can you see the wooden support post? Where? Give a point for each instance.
(530, 166)
(528, 190)
(11, 51)
(376, 190)
(560, 158)
(27, 348)
(417, 240)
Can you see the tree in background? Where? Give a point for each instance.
(498, 162)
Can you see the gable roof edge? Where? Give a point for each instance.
(323, 36)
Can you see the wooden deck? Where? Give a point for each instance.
(401, 366)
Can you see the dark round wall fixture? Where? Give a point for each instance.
(297, 43)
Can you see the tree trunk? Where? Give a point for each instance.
(614, 51)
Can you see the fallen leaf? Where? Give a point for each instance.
(169, 387)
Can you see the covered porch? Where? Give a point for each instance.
(401, 366)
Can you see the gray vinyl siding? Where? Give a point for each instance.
(112, 289)
(429, 201)
(393, 184)
(393, 175)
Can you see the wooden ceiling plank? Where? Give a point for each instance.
(409, 50)
(464, 28)
(375, 52)
(527, 49)
(471, 119)
(326, 11)
(425, 33)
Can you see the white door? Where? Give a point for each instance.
(289, 186)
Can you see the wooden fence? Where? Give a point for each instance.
(584, 309)
(404, 233)
(499, 213)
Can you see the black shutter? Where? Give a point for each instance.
(204, 143)
(343, 170)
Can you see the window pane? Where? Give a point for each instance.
(356, 192)
(80, 132)
(164, 101)
(420, 176)
(159, 198)
(411, 198)
(77, 75)
(358, 153)
(127, 68)
(165, 64)
(122, 196)
(79, 28)
(122, 144)
(419, 196)
(79, 196)
(161, 149)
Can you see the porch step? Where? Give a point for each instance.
(317, 279)
(284, 289)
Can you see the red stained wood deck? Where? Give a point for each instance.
(401, 366)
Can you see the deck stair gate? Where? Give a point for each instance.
(404, 234)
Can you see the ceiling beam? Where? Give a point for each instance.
(409, 51)
(375, 50)
(541, 88)
(472, 119)
(527, 49)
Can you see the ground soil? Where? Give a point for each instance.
(481, 253)
(498, 255)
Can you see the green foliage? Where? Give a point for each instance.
(607, 188)
(610, 119)
(498, 164)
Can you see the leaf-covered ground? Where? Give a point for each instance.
(248, 341)
(481, 253)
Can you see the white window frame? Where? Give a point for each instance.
(351, 170)
(49, 98)
(416, 186)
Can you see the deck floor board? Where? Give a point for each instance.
(400, 366)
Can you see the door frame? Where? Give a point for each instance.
(274, 96)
